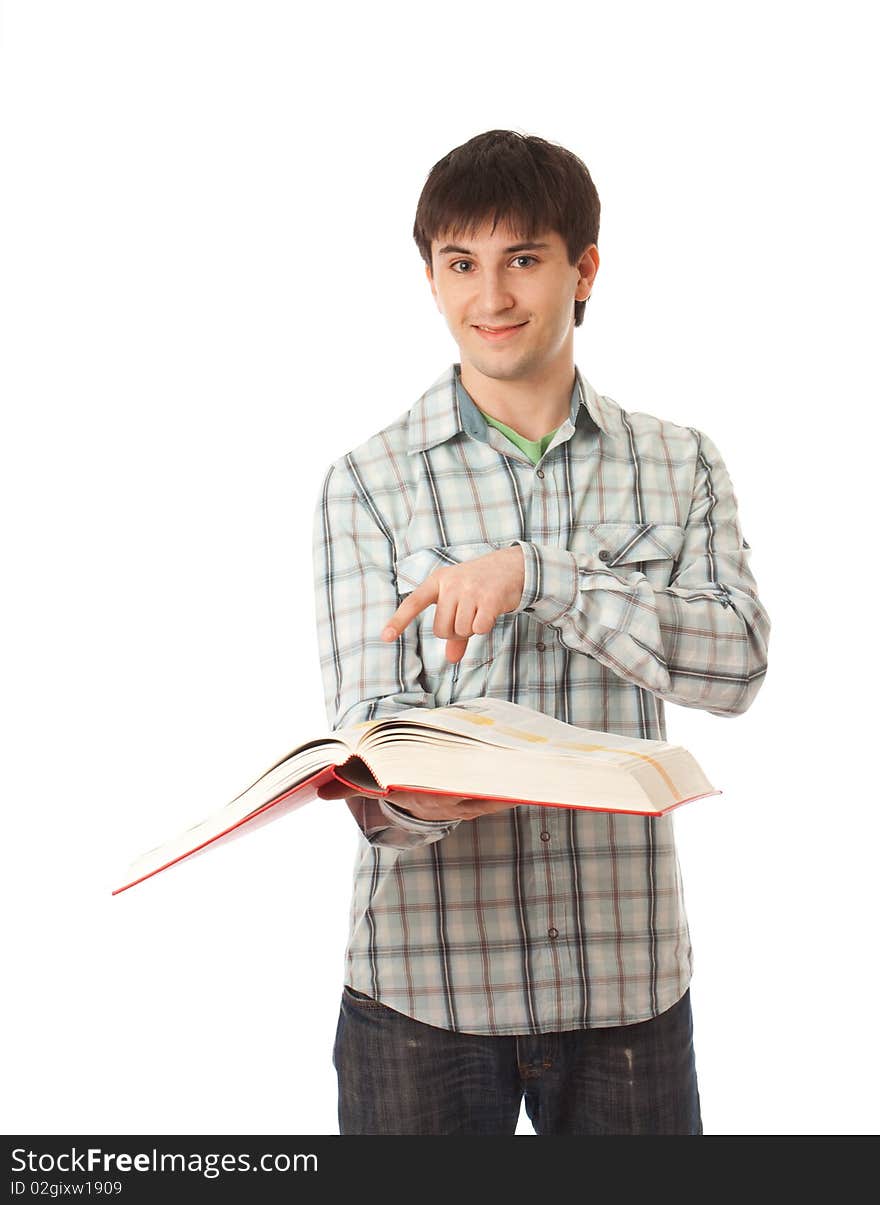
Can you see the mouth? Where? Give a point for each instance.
(494, 334)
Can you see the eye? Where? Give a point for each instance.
(454, 265)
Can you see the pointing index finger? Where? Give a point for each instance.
(421, 597)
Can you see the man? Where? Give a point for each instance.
(515, 534)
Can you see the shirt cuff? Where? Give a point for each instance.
(550, 586)
(413, 824)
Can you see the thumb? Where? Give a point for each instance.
(333, 790)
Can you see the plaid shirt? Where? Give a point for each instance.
(637, 590)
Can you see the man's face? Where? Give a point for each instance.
(500, 280)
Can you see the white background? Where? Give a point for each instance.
(209, 291)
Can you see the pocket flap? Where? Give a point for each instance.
(628, 543)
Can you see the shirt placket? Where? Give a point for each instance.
(552, 922)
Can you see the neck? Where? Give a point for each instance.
(532, 405)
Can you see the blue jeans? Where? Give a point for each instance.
(399, 1076)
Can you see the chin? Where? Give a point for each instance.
(504, 366)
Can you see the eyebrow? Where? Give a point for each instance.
(451, 248)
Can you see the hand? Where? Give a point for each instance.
(469, 598)
(426, 807)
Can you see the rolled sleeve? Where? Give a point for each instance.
(381, 823)
(701, 641)
(550, 588)
(414, 824)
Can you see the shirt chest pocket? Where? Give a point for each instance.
(648, 548)
(466, 679)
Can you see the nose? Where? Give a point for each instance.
(495, 296)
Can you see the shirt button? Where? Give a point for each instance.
(604, 554)
(545, 836)
(540, 646)
(540, 473)
(552, 932)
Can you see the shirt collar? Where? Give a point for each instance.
(446, 408)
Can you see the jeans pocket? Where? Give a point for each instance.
(353, 996)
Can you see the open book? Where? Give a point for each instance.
(479, 749)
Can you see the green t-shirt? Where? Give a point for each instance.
(533, 448)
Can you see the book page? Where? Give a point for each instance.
(324, 751)
(353, 735)
(500, 750)
(511, 726)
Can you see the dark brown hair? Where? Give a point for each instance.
(531, 184)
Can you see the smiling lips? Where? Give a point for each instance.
(493, 334)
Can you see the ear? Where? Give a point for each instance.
(588, 266)
(431, 283)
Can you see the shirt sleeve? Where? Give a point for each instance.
(364, 678)
(701, 641)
